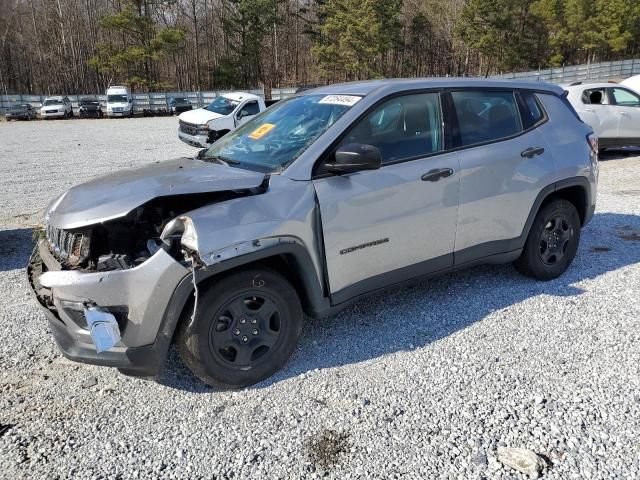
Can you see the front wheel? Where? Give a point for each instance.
(552, 242)
(246, 326)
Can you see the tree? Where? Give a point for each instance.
(247, 24)
(355, 37)
(506, 32)
(130, 58)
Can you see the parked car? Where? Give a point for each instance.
(179, 105)
(612, 110)
(322, 199)
(155, 112)
(119, 102)
(632, 83)
(56, 107)
(203, 126)
(21, 112)
(90, 107)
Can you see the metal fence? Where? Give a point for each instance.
(154, 101)
(595, 71)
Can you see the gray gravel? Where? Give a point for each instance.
(421, 382)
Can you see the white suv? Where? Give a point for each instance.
(56, 107)
(612, 110)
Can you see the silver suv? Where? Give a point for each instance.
(323, 198)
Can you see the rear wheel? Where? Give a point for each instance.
(246, 326)
(552, 243)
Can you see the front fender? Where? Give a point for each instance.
(222, 123)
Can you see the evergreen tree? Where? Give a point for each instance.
(355, 36)
(134, 45)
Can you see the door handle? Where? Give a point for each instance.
(532, 152)
(436, 174)
(589, 110)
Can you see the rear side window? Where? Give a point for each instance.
(595, 96)
(485, 116)
(401, 128)
(533, 113)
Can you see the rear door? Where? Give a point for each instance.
(387, 225)
(504, 162)
(596, 110)
(627, 106)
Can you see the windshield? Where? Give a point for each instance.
(222, 105)
(52, 101)
(88, 102)
(178, 100)
(275, 138)
(117, 99)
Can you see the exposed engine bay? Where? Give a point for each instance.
(129, 241)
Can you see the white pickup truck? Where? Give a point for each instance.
(201, 127)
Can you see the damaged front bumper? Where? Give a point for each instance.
(137, 299)
(200, 141)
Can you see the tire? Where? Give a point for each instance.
(246, 327)
(552, 242)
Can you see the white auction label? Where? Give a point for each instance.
(347, 100)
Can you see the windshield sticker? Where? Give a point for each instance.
(346, 100)
(261, 131)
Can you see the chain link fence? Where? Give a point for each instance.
(157, 101)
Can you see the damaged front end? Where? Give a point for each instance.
(106, 285)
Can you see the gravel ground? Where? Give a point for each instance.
(421, 382)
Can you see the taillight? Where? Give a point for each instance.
(592, 140)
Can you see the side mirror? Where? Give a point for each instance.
(241, 114)
(355, 157)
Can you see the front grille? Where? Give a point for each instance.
(51, 111)
(69, 247)
(188, 128)
(118, 109)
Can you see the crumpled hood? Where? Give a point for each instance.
(199, 116)
(115, 195)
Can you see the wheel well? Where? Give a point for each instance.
(285, 264)
(576, 195)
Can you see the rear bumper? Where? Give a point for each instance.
(63, 294)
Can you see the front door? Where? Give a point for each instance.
(247, 112)
(385, 226)
(627, 107)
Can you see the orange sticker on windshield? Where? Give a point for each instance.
(261, 131)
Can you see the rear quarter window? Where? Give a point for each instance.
(486, 116)
(533, 113)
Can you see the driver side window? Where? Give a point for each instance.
(401, 128)
(625, 98)
(250, 109)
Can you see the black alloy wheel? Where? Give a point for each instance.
(555, 239)
(245, 329)
(246, 326)
(552, 242)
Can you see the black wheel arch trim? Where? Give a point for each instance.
(313, 299)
